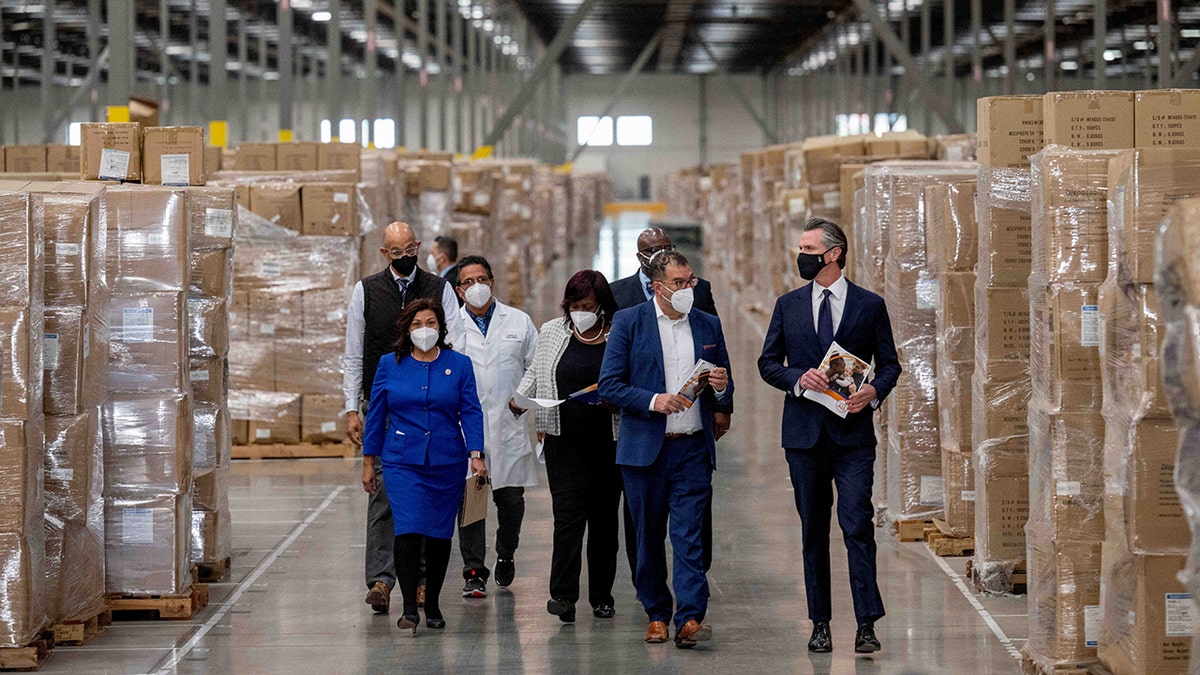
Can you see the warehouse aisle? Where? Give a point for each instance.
(294, 603)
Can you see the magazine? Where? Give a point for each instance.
(846, 373)
(696, 382)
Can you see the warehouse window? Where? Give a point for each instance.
(385, 133)
(75, 133)
(594, 131)
(346, 131)
(635, 130)
(326, 131)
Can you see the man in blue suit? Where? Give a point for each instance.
(666, 446)
(822, 448)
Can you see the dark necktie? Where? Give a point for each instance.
(403, 291)
(825, 321)
(483, 324)
(650, 290)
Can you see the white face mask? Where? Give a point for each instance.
(682, 300)
(432, 263)
(424, 338)
(478, 295)
(584, 320)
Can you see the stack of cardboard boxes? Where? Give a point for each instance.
(1146, 535)
(22, 536)
(1066, 430)
(148, 419)
(127, 152)
(212, 221)
(1178, 285)
(952, 249)
(914, 459)
(1010, 130)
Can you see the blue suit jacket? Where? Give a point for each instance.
(791, 348)
(633, 373)
(424, 414)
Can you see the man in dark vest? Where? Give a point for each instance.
(375, 306)
(632, 291)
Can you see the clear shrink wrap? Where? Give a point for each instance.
(148, 343)
(76, 244)
(914, 469)
(147, 239)
(147, 543)
(274, 417)
(211, 436)
(211, 539)
(148, 445)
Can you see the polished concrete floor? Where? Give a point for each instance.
(294, 601)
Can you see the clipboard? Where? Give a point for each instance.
(475, 501)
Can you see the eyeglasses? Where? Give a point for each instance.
(467, 283)
(650, 251)
(680, 284)
(411, 249)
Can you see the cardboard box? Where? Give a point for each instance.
(148, 443)
(299, 156)
(955, 414)
(1002, 390)
(239, 316)
(324, 313)
(21, 251)
(253, 369)
(146, 547)
(1004, 321)
(1002, 508)
(74, 463)
(212, 273)
(147, 240)
(436, 177)
(1073, 378)
(952, 238)
(343, 156)
(956, 317)
(212, 217)
(211, 436)
(959, 480)
(278, 203)
(208, 378)
(311, 367)
(1166, 118)
(111, 151)
(275, 316)
(211, 536)
(1064, 582)
(21, 350)
(75, 241)
(1010, 130)
(1143, 185)
(1073, 222)
(148, 343)
(173, 156)
(75, 360)
(257, 157)
(1156, 522)
(24, 557)
(144, 111)
(210, 489)
(63, 158)
(1009, 247)
(208, 323)
(241, 432)
(279, 419)
(22, 511)
(213, 156)
(1089, 120)
(823, 157)
(329, 209)
(1148, 616)
(25, 158)
(321, 419)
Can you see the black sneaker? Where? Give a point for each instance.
(476, 587)
(505, 571)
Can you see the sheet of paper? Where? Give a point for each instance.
(527, 403)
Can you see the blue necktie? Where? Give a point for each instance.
(483, 325)
(403, 291)
(825, 322)
(650, 290)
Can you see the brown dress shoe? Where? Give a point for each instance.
(421, 595)
(692, 633)
(379, 597)
(656, 633)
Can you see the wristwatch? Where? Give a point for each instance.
(475, 454)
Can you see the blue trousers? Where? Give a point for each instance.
(671, 494)
(814, 472)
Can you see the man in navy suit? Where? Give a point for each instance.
(822, 448)
(666, 446)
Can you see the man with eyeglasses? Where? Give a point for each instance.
(634, 290)
(501, 341)
(375, 306)
(666, 446)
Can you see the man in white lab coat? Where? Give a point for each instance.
(501, 341)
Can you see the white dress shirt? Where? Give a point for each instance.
(356, 324)
(679, 358)
(837, 304)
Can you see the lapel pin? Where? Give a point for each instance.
(447, 371)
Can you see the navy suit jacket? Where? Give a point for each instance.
(633, 373)
(791, 348)
(629, 292)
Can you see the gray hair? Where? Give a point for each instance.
(660, 260)
(832, 235)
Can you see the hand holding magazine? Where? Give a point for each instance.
(696, 382)
(846, 373)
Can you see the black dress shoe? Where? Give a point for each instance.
(821, 641)
(436, 624)
(408, 622)
(604, 612)
(565, 611)
(865, 641)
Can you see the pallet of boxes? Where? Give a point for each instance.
(295, 260)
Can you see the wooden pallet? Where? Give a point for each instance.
(29, 657)
(296, 451)
(1029, 667)
(82, 632)
(210, 572)
(946, 546)
(911, 530)
(130, 607)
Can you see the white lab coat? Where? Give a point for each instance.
(500, 361)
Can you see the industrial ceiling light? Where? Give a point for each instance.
(321, 17)
(1069, 65)
(1112, 54)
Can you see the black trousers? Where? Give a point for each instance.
(472, 539)
(706, 539)
(585, 491)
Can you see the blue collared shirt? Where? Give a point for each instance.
(645, 283)
(484, 321)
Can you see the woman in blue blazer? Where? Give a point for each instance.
(425, 423)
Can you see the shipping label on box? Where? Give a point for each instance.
(1089, 120)
(278, 203)
(1010, 130)
(173, 156)
(1167, 118)
(329, 209)
(111, 151)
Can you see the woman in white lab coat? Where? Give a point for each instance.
(501, 342)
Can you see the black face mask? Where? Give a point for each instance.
(810, 264)
(404, 265)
